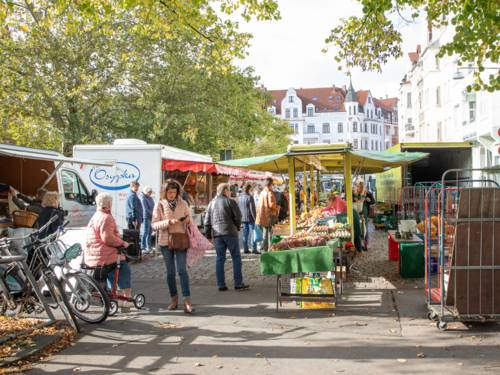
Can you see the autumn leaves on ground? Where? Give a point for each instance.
(9, 326)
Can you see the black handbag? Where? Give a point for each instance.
(133, 237)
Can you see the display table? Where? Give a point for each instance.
(393, 244)
(306, 259)
(289, 267)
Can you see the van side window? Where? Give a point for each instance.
(73, 187)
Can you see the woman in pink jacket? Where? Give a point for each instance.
(170, 215)
(103, 240)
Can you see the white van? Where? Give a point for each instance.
(27, 169)
(133, 160)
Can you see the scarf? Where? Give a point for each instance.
(172, 204)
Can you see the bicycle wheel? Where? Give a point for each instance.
(86, 297)
(57, 293)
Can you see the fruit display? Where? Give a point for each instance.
(302, 240)
(320, 228)
(449, 230)
(307, 219)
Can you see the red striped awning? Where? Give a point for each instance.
(212, 168)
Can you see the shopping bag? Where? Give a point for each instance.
(257, 233)
(198, 244)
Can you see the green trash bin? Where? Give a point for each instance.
(411, 260)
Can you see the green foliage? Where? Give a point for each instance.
(370, 40)
(95, 70)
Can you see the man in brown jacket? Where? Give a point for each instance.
(267, 213)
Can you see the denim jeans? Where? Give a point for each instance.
(124, 276)
(222, 244)
(172, 258)
(146, 234)
(247, 233)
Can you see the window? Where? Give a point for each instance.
(326, 141)
(387, 130)
(290, 99)
(369, 100)
(408, 100)
(292, 127)
(354, 127)
(355, 143)
(438, 96)
(354, 108)
(366, 128)
(326, 128)
(350, 111)
(436, 61)
(287, 113)
(472, 111)
(310, 111)
(271, 110)
(372, 148)
(310, 128)
(295, 112)
(340, 127)
(74, 189)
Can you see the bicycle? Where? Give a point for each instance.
(27, 298)
(86, 298)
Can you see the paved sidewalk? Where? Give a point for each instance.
(378, 328)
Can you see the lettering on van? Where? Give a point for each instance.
(117, 177)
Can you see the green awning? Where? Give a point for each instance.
(329, 158)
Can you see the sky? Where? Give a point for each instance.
(287, 53)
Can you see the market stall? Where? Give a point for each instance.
(312, 228)
(200, 179)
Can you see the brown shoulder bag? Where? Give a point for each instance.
(176, 241)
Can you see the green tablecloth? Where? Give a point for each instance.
(305, 259)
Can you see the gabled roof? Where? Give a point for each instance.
(388, 103)
(414, 56)
(325, 99)
(362, 96)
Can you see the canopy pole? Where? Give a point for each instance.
(348, 190)
(304, 186)
(311, 185)
(291, 195)
(318, 185)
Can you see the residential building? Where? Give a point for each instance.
(337, 115)
(434, 104)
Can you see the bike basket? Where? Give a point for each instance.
(72, 252)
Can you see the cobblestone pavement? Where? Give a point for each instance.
(372, 270)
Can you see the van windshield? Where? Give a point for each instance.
(73, 187)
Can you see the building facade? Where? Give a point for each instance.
(434, 104)
(337, 115)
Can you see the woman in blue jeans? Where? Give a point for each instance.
(247, 207)
(170, 215)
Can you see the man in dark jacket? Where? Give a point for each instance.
(248, 213)
(222, 224)
(133, 209)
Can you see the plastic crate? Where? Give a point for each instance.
(411, 260)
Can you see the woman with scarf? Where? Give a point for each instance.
(170, 216)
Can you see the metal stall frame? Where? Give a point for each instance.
(448, 208)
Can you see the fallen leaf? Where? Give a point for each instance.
(219, 367)
(402, 360)
(76, 369)
(198, 364)
(258, 355)
(421, 355)
(460, 364)
(215, 356)
(114, 345)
